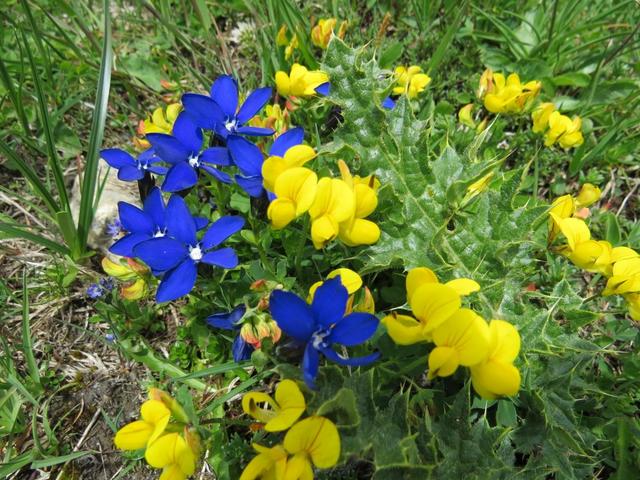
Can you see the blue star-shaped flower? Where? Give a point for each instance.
(141, 225)
(249, 158)
(178, 255)
(183, 150)
(131, 169)
(219, 111)
(323, 324)
(240, 349)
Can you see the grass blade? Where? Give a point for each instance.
(27, 343)
(90, 175)
(13, 231)
(444, 44)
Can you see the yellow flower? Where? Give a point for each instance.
(564, 131)
(462, 340)
(486, 83)
(322, 32)
(356, 230)
(633, 302)
(510, 96)
(270, 463)
(496, 375)
(281, 38)
(285, 410)
(312, 441)
(295, 191)
(139, 434)
(273, 166)
(479, 186)
(273, 117)
(625, 277)
(540, 116)
(134, 274)
(432, 303)
(136, 290)
(334, 203)
(291, 47)
(174, 455)
(171, 403)
(410, 81)
(352, 282)
(465, 117)
(300, 82)
(588, 195)
(161, 121)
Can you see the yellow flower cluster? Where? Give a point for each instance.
(322, 32)
(620, 265)
(353, 283)
(560, 129)
(300, 82)
(171, 446)
(290, 43)
(161, 121)
(506, 95)
(461, 336)
(133, 275)
(313, 441)
(275, 117)
(338, 207)
(410, 81)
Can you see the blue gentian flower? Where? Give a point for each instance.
(131, 169)
(219, 111)
(249, 158)
(240, 349)
(183, 150)
(323, 324)
(323, 89)
(388, 103)
(177, 255)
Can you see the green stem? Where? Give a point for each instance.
(553, 23)
(300, 249)
(266, 263)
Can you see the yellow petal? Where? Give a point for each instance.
(504, 341)
(283, 83)
(403, 329)
(349, 279)
(323, 230)
(316, 436)
(493, 379)
(359, 232)
(134, 435)
(291, 406)
(467, 333)
(135, 291)
(165, 450)
(443, 361)
(312, 290)
(299, 468)
(172, 472)
(464, 286)
(173, 110)
(588, 195)
(418, 277)
(622, 253)
(575, 230)
(366, 200)
(281, 212)
(250, 406)
(118, 270)
(157, 414)
(271, 169)
(298, 155)
(433, 303)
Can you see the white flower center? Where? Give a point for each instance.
(194, 161)
(317, 339)
(195, 253)
(159, 233)
(231, 125)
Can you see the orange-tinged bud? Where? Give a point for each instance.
(258, 285)
(254, 333)
(367, 304)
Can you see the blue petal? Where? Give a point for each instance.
(284, 142)
(246, 155)
(221, 130)
(180, 224)
(227, 320)
(323, 89)
(241, 350)
(388, 103)
(149, 155)
(179, 177)
(186, 130)
(330, 302)
(203, 110)
(354, 329)
(216, 156)
(130, 173)
(134, 220)
(251, 185)
(158, 170)
(253, 104)
(310, 363)
(161, 254)
(352, 362)
(169, 148)
(224, 92)
(201, 222)
(223, 258)
(292, 314)
(255, 131)
(177, 282)
(154, 207)
(221, 229)
(117, 158)
(217, 174)
(124, 246)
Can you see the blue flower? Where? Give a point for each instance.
(131, 169)
(219, 111)
(324, 89)
(249, 158)
(323, 324)
(178, 254)
(388, 103)
(95, 291)
(232, 321)
(114, 228)
(183, 150)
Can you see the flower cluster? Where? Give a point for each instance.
(133, 276)
(559, 128)
(322, 32)
(461, 336)
(164, 433)
(620, 265)
(410, 81)
(508, 95)
(313, 441)
(161, 121)
(289, 42)
(300, 82)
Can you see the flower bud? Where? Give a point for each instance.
(588, 195)
(254, 333)
(367, 303)
(486, 83)
(134, 291)
(171, 403)
(465, 117)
